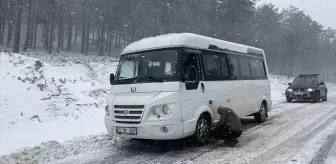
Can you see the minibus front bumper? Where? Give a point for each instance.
(158, 130)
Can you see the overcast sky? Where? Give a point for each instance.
(323, 11)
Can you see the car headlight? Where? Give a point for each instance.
(289, 90)
(310, 90)
(166, 110)
(107, 111)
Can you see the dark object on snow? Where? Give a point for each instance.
(38, 64)
(307, 87)
(36, 116)
(228, 128)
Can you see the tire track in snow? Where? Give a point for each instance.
(287, 148)
(322, 154)
(295, 115)
(248, 150)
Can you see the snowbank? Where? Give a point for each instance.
(40, 102)
(52, 151)
(279, 85)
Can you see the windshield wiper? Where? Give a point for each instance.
(149, 78)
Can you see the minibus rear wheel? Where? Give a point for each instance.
(202, 131)
(262, 114)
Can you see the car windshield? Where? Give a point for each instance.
(148, 67)
(305, 81)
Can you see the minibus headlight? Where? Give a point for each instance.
(107, 111)
(166, 110)
(289, 90)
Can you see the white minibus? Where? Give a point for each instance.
(170, 86)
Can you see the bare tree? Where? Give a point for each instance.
(10, 20)
(84, 19)
(60, 27)
(2, 21)
(69, 33)
(16, 47)
(29, 26)
(52, 26)
(87, 43)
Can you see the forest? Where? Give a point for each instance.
(294, 43)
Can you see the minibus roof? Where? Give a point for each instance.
(186, 40)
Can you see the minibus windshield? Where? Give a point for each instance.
(148, 67)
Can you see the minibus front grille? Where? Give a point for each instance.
(128, 117)
(127, 122)
(128, 114)
(129, 106)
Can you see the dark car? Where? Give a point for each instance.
(307, 87)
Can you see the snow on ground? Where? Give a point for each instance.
(55, 100)
(66, 94)
(52, 150)
(279, 85)
(306, 154)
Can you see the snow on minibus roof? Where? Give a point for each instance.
(184, 40)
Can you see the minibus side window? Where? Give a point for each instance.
(263, 69)
(245, 70)
(212, 66)
(258, 69)
(225, 67)
(233, 67)
(255, 68)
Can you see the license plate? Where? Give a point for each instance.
(128, 131)
(298, 93)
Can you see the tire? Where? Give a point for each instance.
(289, 100)
(262, 114)
(318, 98)
(326, 97)
(202, 131)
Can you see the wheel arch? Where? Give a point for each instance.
(190, 125)
(207, 112)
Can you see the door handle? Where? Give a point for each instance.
(202, 87)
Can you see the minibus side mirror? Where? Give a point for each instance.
(112, 78)
(322, 83)
(289, 83)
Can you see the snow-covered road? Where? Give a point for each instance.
(294, 133)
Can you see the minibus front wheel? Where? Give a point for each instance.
(202, 131)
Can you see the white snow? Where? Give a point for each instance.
(183, 39)
(330, 160)
(279, 85)
(52, 151)
(307, 153)
(73, 91)
(68, 98)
